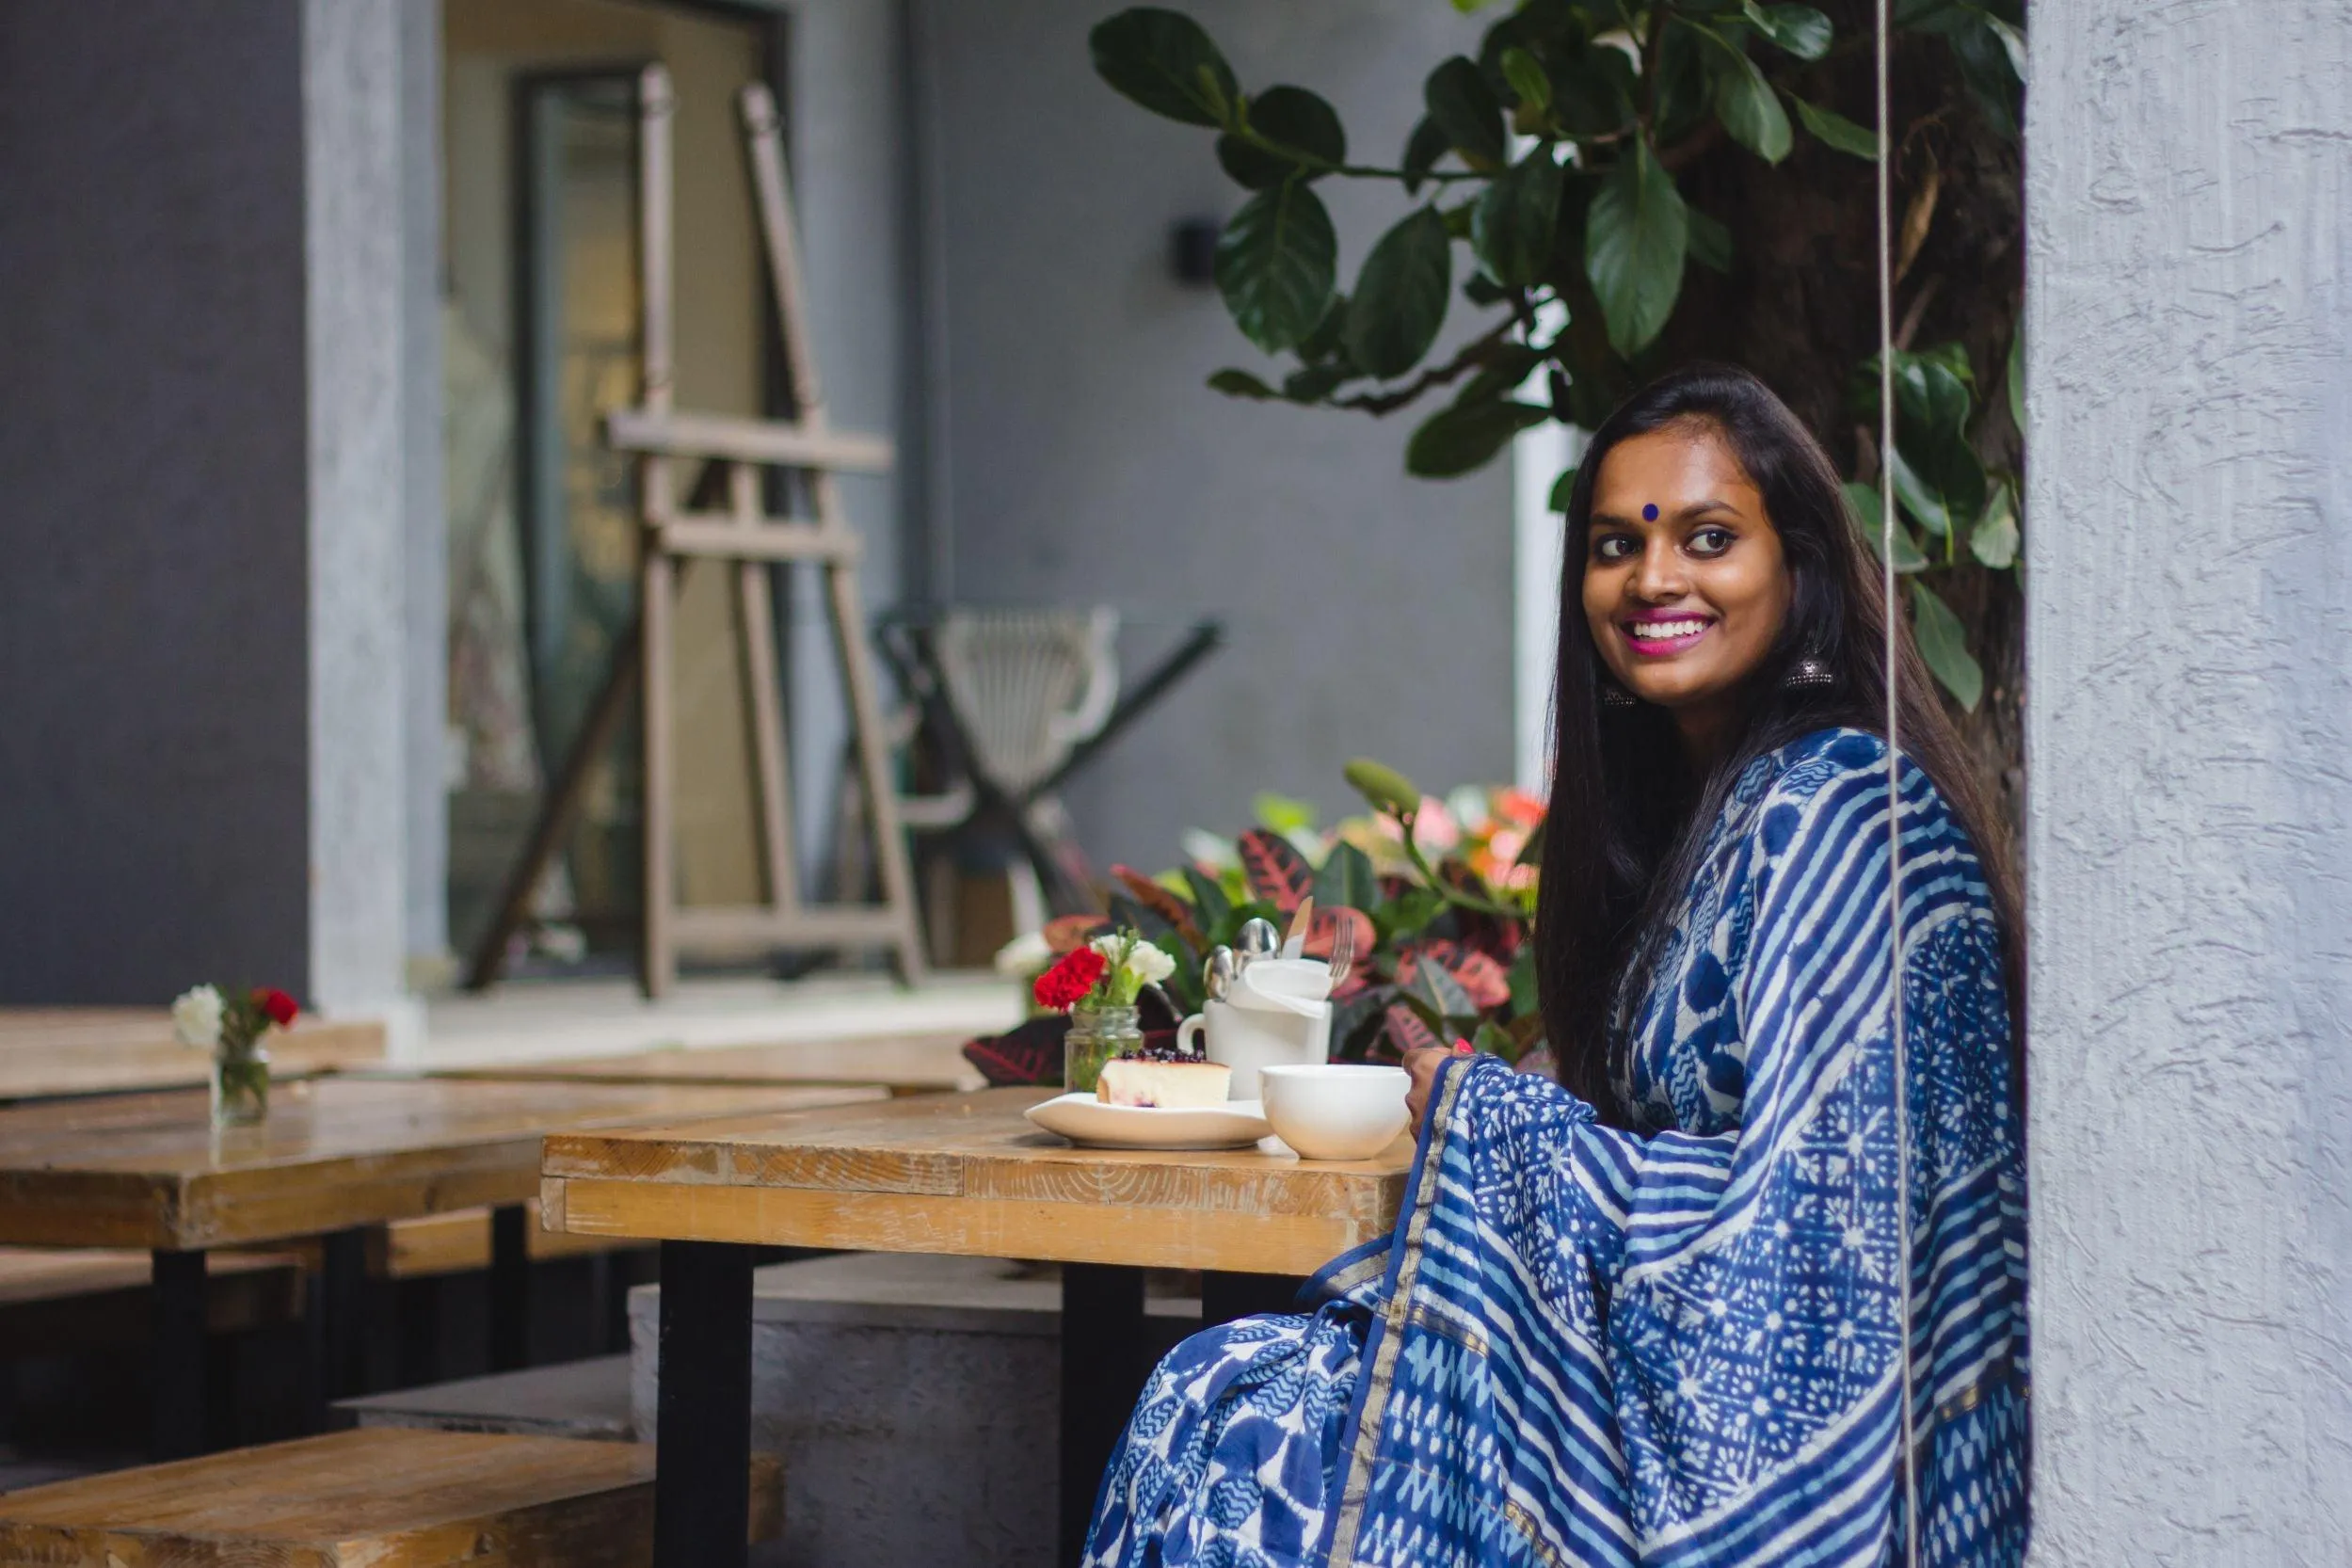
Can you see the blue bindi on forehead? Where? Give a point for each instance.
(1649, 513)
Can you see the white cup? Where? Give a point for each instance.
(1247, 1039)
(1336, 1109)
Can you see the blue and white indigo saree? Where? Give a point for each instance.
(1588, 1347)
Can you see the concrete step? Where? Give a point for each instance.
(915, 1402)
(579, 1399)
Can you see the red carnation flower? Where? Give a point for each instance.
(276, 1003)
(1067, 984)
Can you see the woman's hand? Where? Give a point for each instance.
(1421, 1065)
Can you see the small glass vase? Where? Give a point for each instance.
(1096, 1035)
(240, 1088)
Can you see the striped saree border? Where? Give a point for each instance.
(1386, 1341)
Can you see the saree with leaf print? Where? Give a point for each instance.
(1681, 1345)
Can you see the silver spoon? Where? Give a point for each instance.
(1217, 971)
(1258, 939)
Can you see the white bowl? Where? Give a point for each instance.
(1334, 1110)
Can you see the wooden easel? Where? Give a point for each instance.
(746, 536)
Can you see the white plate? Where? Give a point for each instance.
(1083, 1119)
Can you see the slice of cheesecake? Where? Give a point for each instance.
(1169, 1082)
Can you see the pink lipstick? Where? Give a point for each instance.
(1660, 633)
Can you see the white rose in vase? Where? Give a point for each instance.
(196, 1017)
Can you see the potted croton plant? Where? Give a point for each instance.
(1440, 893)
(233, 1028)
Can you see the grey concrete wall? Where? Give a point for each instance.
(847, 135)
(154, 732)
(1084, 461)
(355, 200)
(425, 505)
(2190, 383)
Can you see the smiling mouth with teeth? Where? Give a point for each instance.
(1652, 632)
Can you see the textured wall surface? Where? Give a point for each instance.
(351, 143)
(2190, 555)
(424, 502)
(153, 728)
(1369, 613)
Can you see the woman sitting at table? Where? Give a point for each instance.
(1650, 1314)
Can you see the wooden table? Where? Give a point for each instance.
(51, 1051)
(939, 1173)
(903, 1062)
(337, 1157)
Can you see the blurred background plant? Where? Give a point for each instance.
(1636, 186)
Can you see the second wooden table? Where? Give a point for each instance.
(335, 1157)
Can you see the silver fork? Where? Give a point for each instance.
(1342, 953)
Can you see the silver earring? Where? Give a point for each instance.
(1810, 672)
(1612, 695)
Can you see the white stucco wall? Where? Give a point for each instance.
(2190, 201)
(353, 259)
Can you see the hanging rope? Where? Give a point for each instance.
(1883, 169)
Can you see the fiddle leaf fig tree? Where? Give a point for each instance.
(1562, 163)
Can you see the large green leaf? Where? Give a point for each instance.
(1276, 263)
(1467, 110)
(1165, 62)
(1943, 489)
(1346, 880)
(1594, 90)
(1745, 102)
(1423, 149)
(1933, 398)
(1524, 73)
(1993, 540)
(1299, 121)
(1458, 439)
(1837, 130)
(1510, 228)
(1635, 239)
(1943, 644)
(1240, 383)
(1800, 29)
(1870, 522)
(1401, 295)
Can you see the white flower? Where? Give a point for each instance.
(1149, 964)
(196, 1017)
(1024, 955)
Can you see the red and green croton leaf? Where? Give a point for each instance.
(1277, 873)
(1160, 901)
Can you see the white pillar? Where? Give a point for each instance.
(353, 190)
(2189, 570)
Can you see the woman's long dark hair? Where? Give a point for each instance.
(1629, 814)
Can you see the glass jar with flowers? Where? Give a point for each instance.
(233, 1031)
(1098, 985)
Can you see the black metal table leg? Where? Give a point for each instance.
(339, 1321)
(702, 1413)
(1225, 1296)
(1102, 1371)
(176, 1340)
(510, 1289)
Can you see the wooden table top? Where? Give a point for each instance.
(52, 1051)
(899, 1062)
(148, 1171)
(965, 1173)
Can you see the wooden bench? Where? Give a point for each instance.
(378, 1496)
(71, 1299)
(434, 1244)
